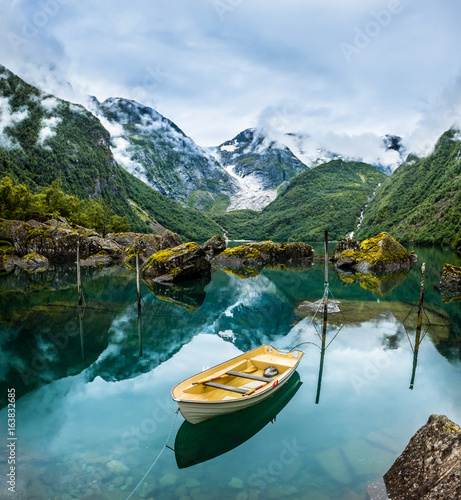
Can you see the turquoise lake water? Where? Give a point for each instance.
(92, 413)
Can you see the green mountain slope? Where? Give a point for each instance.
(43, 138)
(330, 196)
(421, 200)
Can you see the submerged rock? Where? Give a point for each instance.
(430, 466)
(117, 468)
(450, 284)
(319, 306)
(381, 254)
(173, 265)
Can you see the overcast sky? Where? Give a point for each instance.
(330, 68)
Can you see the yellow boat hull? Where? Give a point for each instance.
(235, 384)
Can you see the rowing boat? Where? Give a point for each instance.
(244, 381)
(198, 443)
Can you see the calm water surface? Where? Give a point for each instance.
(94, 410)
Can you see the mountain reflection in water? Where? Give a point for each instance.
(88, 403)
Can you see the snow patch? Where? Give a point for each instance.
(250, 192)
(230, 148)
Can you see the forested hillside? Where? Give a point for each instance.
(330, 196)
(44, 139)
(421, 200)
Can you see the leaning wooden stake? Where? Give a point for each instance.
(325, 295)
(138, 291)
(325, 322)
(419, 324)
(79, 277)
(138, 283)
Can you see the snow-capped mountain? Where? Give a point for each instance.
(385, 153)
(157, 151)
(259, 166)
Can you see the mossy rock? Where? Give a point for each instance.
(380, 254)
(257, 255)
(450, 284)
(182, 263)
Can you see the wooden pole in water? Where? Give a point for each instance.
(325, 322)
(138, 290)
(325, 295)
(419, 324)
(82, 333)
(138, 283)
(79, 277)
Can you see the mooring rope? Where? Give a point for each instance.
(158, 456)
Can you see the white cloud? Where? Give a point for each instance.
(49, 104)
(8, 118)
(214, 75)
(48, 129)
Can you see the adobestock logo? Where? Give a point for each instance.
(365, 34)
(47, 10)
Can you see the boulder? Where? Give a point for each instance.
(346, 244)
(101, 259)
(430, 466)
(214, 246)
(450, 284)
(143, 244)
(54, 239)
(146, 245)
(173, 265)
(257, 255)
(31, 262)
(381, 254)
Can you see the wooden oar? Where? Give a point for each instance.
(274, 383)
(210, 379)
(251, 369)
(255, 389)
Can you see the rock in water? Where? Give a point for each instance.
(430, 466)
(381, 254)
(346, 244)
(117, 468)
(265, 252)
(173, 265)
(450, 284)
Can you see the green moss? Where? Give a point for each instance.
(6, 247)
(32, 256)
(164, 255)
(39, 232)
(246, 251)
(380, 247)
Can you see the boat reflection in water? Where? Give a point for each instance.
(197, 443)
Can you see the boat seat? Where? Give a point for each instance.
(226, 387)
(247, 375)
